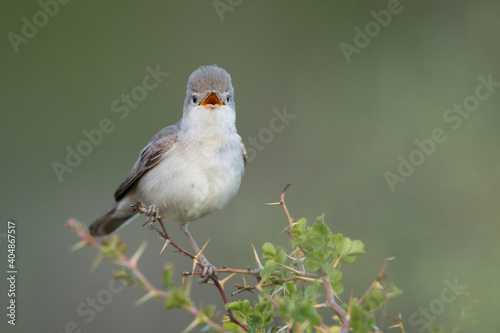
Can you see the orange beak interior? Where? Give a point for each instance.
(212, 99)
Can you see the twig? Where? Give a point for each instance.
(290, 222)
(380, 277)
(330, 299)
(257, 286)
(138, 207)
(282, 203)
(399, 323)
(141, 209)
(254, 272)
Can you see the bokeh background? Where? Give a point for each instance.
(353, 121)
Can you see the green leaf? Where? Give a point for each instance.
(334, 273)
(290, 287)
(241, 306)
(306, 312)
(178, 299)
(357, 247)
(348, 249)
(374, 300)
(311, 291)
(393, 291)
(268, 269)
(269, 251)
(280, 255)
(168, 273)
(312, 264)
(299, 227)
(128, 276)
(322, 230)
(232, 327)
(337, 287)
(361, 322)
(348, 259)
(112, 247)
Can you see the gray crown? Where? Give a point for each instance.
(209, 78)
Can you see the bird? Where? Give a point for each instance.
(187, 170)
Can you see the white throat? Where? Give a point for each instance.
(203, 125)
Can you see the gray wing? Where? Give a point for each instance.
(149, 157)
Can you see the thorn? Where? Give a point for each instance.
(259, 264)
(167, 241)
(138, 253)
(291, 269)
(225, 280)
(203, 248)
(121, 263)
(244, 281)
(194, 264)
(258, 286)
(78, 245)
(145, 298)
(191, 326)
(96, 262)
(305, 278)
(294, 252)
(197, 256)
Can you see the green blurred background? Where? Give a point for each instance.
(353, 120)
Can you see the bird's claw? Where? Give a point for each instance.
(153, 213)
(208, 270)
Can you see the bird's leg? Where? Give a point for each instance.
(208, 268)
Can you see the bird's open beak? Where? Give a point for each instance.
(212, 99)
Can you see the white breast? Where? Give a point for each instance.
(193, 181)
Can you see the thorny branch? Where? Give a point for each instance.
(140, 208)
(297, 254)
(131, 264)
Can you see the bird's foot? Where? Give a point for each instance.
(152, 212)
(208, 269)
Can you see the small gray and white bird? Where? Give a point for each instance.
(190, 169)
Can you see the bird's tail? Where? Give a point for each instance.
(109, 221)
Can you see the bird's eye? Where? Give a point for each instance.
(194, 99)
(228, 98)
